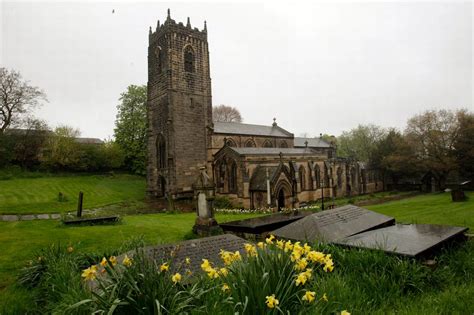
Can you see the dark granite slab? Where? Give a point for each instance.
(334, 224)
(409, 240)
(263, 224)
(196, 250)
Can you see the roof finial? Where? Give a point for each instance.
(274, 122)
(188, 24)
(158, 25)
(150, 32)
(169, 14)
(205, 26)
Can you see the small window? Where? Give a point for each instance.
(250, 144)
(267, 144)
(283, 144)
(189, 59)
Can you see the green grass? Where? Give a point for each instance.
(430, 208)
(40, 195)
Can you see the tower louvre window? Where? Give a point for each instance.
(189, 59)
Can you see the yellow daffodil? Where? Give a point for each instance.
(295, 255)
(189, 272)
(127, 262)
(301, 264)
(308, 296)
(225, 288)
(309, 273)
(325, 297)
(104, 262)
(70, 249)
(288, 246)
(113, 260)
(176, 278)
(164, 267)
(315, 256)
(261, 245)
(236, 256)
(344, 312)
(212, 273)
(329, 265)
(188, 261)
(306, 248)
(269, 240)
(224, 271)
(271, 301)
(250, 249)
(89, 273)
(301, 278)
(280, 244)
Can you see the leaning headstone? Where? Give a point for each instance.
(335, 224)
(205, 223)
(196, 250)
(412, 240)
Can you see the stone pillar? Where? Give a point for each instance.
(204, 192)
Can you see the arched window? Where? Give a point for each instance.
(233, 178)
(317, 173)
(230, 142)
(161, 151)
(339, 177)
(189, 59)
(283, 144)
(302, 177)
(159, 57)
(268, 144)
(250, 143)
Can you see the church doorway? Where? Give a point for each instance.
(281, 199)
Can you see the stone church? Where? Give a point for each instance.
(253, 165)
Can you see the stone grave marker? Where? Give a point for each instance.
(412, 240)
(334, 224)
(205, 223)
(196, 250)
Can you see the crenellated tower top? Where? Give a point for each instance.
(171, 25)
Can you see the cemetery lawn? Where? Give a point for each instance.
(40, 195)
(434, 208)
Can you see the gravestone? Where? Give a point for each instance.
(258, 228)
(412, 240)
(335, 224)
(205, 223)
(196, 250)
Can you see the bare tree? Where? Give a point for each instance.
(17, 97)
(226, 113)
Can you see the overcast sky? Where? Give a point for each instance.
(316, 67)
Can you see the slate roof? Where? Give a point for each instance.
(272, 151)
(258, 181)
(248, 129)
(312, 142)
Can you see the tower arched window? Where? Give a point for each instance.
(161, 152)
(189, 59)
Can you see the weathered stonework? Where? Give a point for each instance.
(182, 138)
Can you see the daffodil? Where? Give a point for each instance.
(113, 260)
(176, 278)
(225, 288)
(212, 273)
(104, 262)
(301, 278)
(309, 273)
(301, 264)
(89, 273)
(261, 245)
(271, 301)
(329, 265)
(295, 255)
(306, 248)
(269, 240)
(315, 256)
(164, 267)
(324, 297)
(308, 296)
(344, 312)
(280, 244)
(189, 272)
(205, 265)
(188, 261)
(250, 249)
(224, 271)
(288, 246)
(127, 262)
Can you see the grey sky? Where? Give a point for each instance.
(316, 67)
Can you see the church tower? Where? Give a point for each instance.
(179, 107)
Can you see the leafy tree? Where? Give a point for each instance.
(30, 141)
(360, 143)
(433, 135)
(62, 152)
(224, 113)
(464, 144)
(131, 127)
(17, 98)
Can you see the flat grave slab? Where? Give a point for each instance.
(406, 239)
(334, 224)
(263, 224)
(196, 250)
